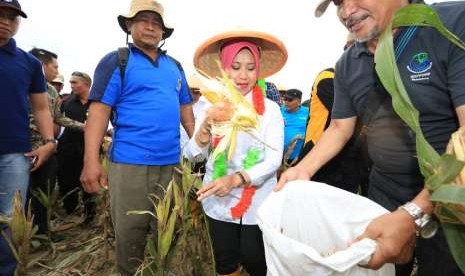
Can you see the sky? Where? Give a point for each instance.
(82, 32)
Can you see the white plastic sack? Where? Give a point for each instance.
(307, 228)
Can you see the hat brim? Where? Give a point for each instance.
(321, 8)
(20, 12)
(273, 53)
(167, 31)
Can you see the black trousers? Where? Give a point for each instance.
(43, 178)
(69, 172)
(237, 244)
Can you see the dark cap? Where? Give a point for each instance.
(293, 94)
(14, 5)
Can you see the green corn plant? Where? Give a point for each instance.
(50, 201)
(181, 245)
(194, 241)
(21, 231)
(439, 171)
(161, 250)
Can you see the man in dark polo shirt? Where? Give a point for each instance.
(433, 72)
(70, 149)
(22, 81)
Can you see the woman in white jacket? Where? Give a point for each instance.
(235, 187)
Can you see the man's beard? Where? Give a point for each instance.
(374, 33)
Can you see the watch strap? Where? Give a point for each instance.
(242, 177)
(49, 140)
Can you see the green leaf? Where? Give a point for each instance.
(445, 172)
(152, 250)
(449, 194)
(166, 237)
(455, 236)
(424, 15)
(141, 213)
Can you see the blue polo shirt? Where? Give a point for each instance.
(20, 74)
(145, 107)
(295, 124)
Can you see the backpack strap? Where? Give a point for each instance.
(123, 57)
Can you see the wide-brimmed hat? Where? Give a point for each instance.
(321, 8)
(273, 53)
(14, 5)
(59, 79)
(144, 5)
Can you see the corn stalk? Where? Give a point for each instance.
(181, 234)
(21, 230)
(439, 171)
(50, 201)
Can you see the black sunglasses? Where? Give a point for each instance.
(286, 99)
(337, 2)
(83, 76)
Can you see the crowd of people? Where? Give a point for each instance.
(347, 135)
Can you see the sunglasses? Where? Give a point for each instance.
(337, 2)
(82, 75)
(288, 99)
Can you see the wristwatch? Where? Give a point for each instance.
(242, 177)
(49, 140)
(426, 225)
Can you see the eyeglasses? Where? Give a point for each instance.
(337, 2)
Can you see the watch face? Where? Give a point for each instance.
(429, 229)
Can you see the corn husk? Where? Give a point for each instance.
(244, 118)
(454, 211)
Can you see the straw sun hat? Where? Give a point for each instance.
(144, 5)
(273, 53)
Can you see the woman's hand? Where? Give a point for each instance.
(220, 187)
(220, 112)
(203, 135)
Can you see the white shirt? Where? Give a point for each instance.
(196, 108)
(262, 174)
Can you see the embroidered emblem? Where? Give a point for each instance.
(420, 65)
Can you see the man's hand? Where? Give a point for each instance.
(220, 187)
(293, 173)
(93, 177)
(395, 236)
(40, 155)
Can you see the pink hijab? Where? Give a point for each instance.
(230, 50)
